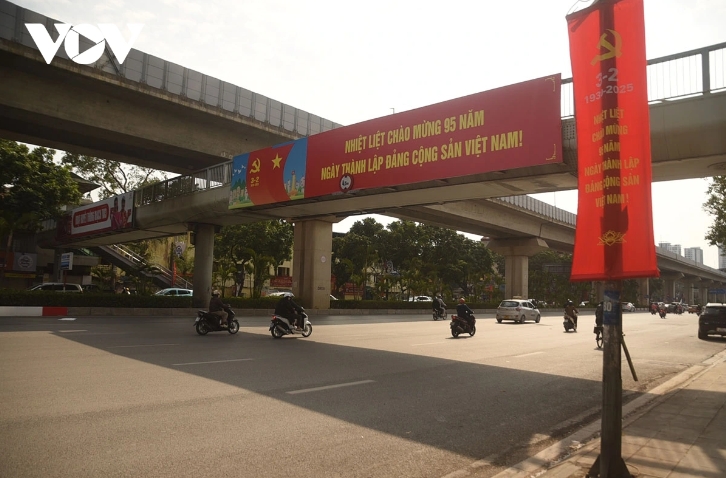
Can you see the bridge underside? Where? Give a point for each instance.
(83, 110)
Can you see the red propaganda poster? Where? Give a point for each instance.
(614, 236)
(516, 126)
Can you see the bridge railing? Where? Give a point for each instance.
(682, 75)
(140, 67)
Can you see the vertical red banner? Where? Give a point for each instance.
(614, 236)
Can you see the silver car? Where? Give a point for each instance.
(518, 310)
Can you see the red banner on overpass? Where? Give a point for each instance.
(511, 127)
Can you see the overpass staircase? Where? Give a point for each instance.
(129, 261)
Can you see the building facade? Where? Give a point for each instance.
(694, 253)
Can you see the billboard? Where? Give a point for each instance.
(110, 214)
(511, 127)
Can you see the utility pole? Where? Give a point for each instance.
(610, 463)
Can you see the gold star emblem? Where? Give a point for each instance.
(611, 237)
(276, 161)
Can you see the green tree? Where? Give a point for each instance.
(716, 206)
(255, 248)
(113, 176)
(32, 189)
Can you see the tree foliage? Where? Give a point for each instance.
(113, 176)
(33, 187)
(255, 249)
(406, 258)
(716, 206)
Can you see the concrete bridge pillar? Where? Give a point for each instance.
(311, 263)
(203, 264)
(643, 298)
(670, 278)
(598, 291)
(516, 254)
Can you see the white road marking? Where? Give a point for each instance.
(142, 345)
(316, 389)
(67, 318)
(214, 361)
(79, 330)
(527, 355)
(428, 343)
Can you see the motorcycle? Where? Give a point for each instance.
(569, 323)
(598, 330)
(662, 313)
(207, 322)
(279, 326)
(460, 325)
(439, 314)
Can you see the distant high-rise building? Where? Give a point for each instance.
(694, 253)
(721, 258)
(671, 247)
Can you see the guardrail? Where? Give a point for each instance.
(157, 269)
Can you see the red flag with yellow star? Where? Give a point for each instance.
(265, 183)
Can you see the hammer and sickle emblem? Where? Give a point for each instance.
(611, 51)
(255, 166)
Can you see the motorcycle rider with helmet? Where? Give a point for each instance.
(217, 307)
(290, 311)
(463, 311)
(571, 311)
(439, 306)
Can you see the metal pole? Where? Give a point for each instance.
(610, 463)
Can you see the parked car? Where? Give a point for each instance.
(175, 291)
(58, 287)
(627, 307)
(95, 288)
(283, 293)
(518, 310)
(712, 321)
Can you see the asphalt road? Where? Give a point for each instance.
(378, 396)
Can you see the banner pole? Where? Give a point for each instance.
(611, 464)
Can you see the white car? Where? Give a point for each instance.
(420, 298)
(627, 306)
(175, 291)
(281, 294)
(518, 310)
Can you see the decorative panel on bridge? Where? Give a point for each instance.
(506, 128)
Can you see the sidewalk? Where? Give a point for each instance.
(679, 434)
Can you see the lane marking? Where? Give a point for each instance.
(66, 318)
(428, 343)
(213, 361)
(65, 331)
(142, 345)
(527, 355)
(316, 389)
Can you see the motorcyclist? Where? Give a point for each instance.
(463, 311)
(216, 307)
(289, 310)
(438, 305)
(571, 311)
(599, 313)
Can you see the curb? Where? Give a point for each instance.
(10, 311)
(577, 443)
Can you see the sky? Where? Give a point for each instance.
(349, 61)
